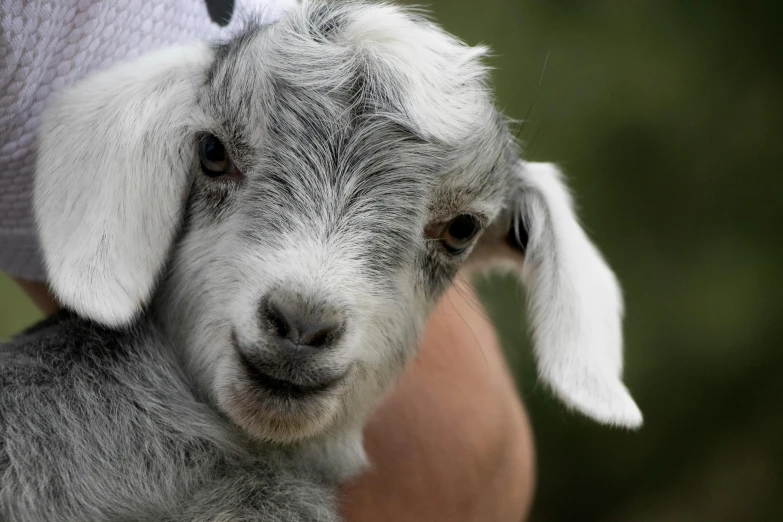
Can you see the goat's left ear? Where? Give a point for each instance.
(574, 301)
(113, 173)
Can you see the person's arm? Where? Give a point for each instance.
(39, 294)
(452, 442)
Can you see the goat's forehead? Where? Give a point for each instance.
(374, 58)
(356, 90)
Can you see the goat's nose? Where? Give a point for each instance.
(293, 319)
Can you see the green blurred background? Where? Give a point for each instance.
(667, 117)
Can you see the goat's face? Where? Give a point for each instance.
(324, 219)
(322, 180)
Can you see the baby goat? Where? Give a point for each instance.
(249, 238)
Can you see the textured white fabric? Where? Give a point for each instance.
(48, 44)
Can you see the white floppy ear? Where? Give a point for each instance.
(574, 301)
(111, 180)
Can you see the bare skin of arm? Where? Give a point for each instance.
(452, 442)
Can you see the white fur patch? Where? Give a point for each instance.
(428, 62)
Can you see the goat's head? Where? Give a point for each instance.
(292, 203)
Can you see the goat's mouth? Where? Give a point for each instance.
(283, 387)
(281, 400)
(268, 379)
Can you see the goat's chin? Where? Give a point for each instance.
(267, 416)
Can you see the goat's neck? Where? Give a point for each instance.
(336, 456)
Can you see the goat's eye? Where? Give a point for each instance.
(459, 233)
(214, 158)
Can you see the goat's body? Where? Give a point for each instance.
(102, 425)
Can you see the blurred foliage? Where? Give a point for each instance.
(667, 117)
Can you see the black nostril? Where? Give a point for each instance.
(286, 319)
(276, 320)
(321, 335)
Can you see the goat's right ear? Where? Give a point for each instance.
(111, 180)
(574, 301)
